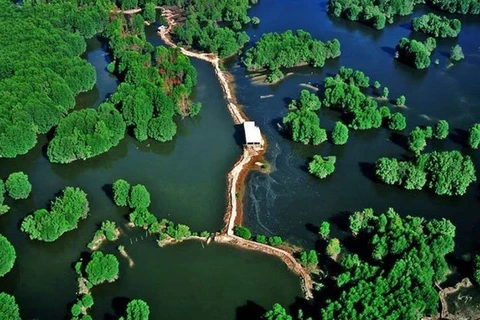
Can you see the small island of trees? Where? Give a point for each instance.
(64, 215)
(215, 26)
(137, 309)
(288, 49)
(446, 173)
(437, 26)
(416, 53)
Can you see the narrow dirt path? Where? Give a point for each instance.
(243, 163)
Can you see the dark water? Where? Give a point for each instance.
(186, 178)
(290, 202)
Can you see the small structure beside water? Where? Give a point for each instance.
(252, 133)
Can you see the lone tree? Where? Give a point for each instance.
(121, 191)
(8, 307)
(137, 309)
(397, 122)
(139, 197)
(18, 186)
(321, 167)
(474, 136)
(456, 54)
(7, 257)
(333, 247)
(440, 131)
(324, 230)
(339, 133)
(400, 101)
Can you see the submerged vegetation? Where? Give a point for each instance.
(288, 49)
(64, 215)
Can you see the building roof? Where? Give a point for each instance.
(252, 132)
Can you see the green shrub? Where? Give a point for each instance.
(260, 238)
(243, 232)
(275, 241)
(121, 192)
(139, 197)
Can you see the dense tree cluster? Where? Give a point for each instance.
(322, 167)
(416, 53)
(288, 49)
(474, 136)
(18, 186)
(397, 121)
(374, 13)
(39, 89)
(214, 26)
(8, 307)
(102, 268)
(7, 257)
(407, 257)
(157, 83)
(301, 121)
(64, 215)
(86, 133)
(344, 92)
(446, 173)
(457, 6)
(437, 26)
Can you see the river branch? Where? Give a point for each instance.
(236, 176)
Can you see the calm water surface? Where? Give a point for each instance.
(290, 202)
(186, 178)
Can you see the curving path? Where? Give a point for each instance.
(234, 208)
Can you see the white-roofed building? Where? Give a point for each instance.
(252, 133)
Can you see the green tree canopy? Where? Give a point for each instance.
(474, 136)
(18, 186)
(137, 309)
(8, 307)
(339, 133)
(7, 257)
(64, 215)
(440, 131)
(397, 122)
(322, 167)
(101, 268)
(121, 192)
(437, 26)
(139, 197)
(242, 232)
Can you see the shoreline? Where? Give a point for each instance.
(236, 176)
